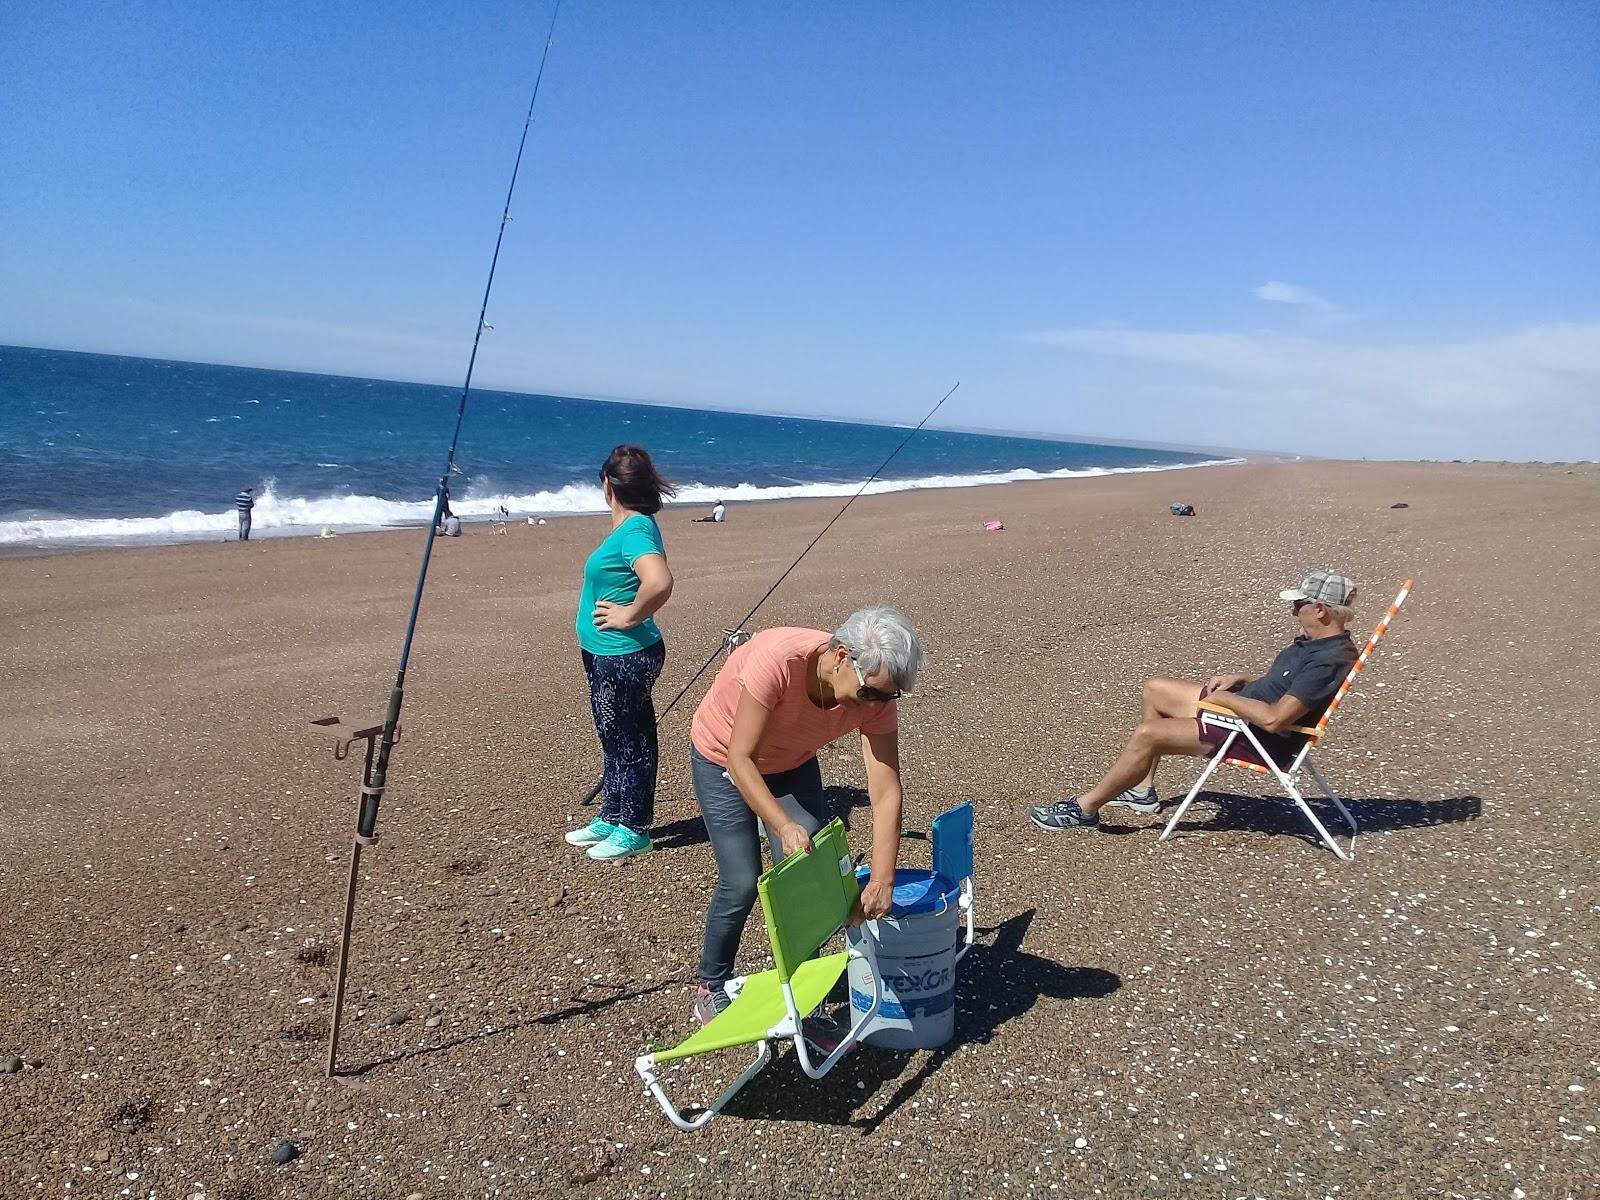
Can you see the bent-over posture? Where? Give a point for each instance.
(778, 699)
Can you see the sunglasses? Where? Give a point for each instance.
(871, 695)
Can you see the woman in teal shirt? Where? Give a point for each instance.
(625, 582)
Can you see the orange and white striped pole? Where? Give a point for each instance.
(1366, 653)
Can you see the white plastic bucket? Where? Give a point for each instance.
(916, 951)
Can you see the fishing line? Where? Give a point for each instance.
(374, 779)
(739, 625)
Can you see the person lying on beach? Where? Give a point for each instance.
(718, 515)
(778, 699)
(1295, 690)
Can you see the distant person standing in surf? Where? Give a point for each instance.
(244, 502)
(625, 582)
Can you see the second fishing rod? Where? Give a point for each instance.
(736, 630)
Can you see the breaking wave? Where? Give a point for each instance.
(302, 515)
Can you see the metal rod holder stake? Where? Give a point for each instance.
(344, 736)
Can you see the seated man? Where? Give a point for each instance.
(1295, 690)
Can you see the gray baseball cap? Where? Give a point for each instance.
(1322, 587)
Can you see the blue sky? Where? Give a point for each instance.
(1333, 229)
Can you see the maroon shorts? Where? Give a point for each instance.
(1281, 748)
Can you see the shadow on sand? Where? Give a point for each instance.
(1278, 816)
(997, 981)
(578, 1006)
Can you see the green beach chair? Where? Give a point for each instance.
(805, 900)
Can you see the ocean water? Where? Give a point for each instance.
(98, 449)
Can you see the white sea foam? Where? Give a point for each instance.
(300, 514)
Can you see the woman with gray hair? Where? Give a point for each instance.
(780, 698)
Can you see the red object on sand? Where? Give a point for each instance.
(994, 526)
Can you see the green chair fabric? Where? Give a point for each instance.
(806, 897)
(760, 1006)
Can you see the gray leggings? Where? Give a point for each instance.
(735, 841)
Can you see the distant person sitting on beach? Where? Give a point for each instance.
(1295, 690)
(625, 582)
(244, 502)
(719, 514)
(778, 699)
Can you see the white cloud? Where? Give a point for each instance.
(1532, 393)
(1293, 293)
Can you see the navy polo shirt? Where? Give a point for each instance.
(1309, 669)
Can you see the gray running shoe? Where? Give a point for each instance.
(1141, 802)
(1064, 814)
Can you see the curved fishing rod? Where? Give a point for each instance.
(376, 776)
(739, 625)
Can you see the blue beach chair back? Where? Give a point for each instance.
(952, 843)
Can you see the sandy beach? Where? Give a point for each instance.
(1233, 1012)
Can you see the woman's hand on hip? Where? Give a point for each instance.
(608, 614)
(794, 839)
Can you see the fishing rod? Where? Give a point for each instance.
(733, 634)
(376, 773)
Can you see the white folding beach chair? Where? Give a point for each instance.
(1287, 774)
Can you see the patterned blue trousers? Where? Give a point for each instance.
(625, 718)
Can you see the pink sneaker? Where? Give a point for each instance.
(823, 1034)
(710, 999)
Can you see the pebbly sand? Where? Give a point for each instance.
(1230, 1013)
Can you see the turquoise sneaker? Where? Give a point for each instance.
(592, 834)
(623, 843)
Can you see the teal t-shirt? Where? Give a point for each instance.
(609, 575)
